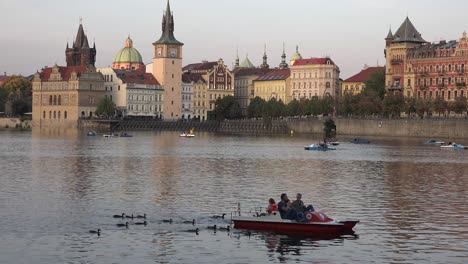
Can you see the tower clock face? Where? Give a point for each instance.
(173, 52)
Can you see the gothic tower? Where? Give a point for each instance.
(80, 53)
(167, 67)
(283, 64)
(265, 60)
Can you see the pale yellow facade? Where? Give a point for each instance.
(320, 79)
(351, 88)
(279, 89)
(200, 100)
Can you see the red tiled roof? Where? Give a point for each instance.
(65, 72)
(139, 76)
(250, 71)
(277, 74)
(365, 74)
(312, 61)
(192, 77)
(203, 66)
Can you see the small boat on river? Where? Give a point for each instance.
(434, 142)
(333, 143)
(360, 141)
(91, 133)
(319, 147)
(125, 134)
(453, 146)
(187, 135)
(316, 223)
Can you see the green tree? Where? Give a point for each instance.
(292, 108)
(393, 104)
(15, 95)
(440, 105)
(375, 85)
(459, 105)
(105, 107)
(255, 108)
(410, 105)
(227, 108)
(3, 98)
(421, 107)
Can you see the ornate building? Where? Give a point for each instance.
(422, 69)
(80, 53)
(128, 58)
(167, 67)
(355, 84)
(314, 77)
(62, 95)
(187, 96)
(244, 85)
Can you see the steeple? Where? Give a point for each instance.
(283, 64)
(237, 59)
(407, 33)
(167, 36)
(390, 34)
(80, 53)
(265, 60)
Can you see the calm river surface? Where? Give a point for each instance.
(412, 199)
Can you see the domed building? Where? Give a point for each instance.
(296, 56)
(128, 58)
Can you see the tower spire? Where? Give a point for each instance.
(265, 59)
(237, 59)
(283, 64)
(168, 28)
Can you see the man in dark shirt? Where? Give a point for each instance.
(284, 207)
(299, 206)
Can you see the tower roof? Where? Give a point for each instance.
(167, 36)
(81, 40)
(390, 34)
(128, 53)
(407, 33)
(246, 63)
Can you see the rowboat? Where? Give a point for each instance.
(453, 146)
(434, 142)
(318, 147)
(185, 135)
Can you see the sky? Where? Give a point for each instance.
(34, 33)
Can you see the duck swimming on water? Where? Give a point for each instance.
(123, 225)
(129, 216)
(119, 216)
(167, 221)
(98, 232)
(189, 222)
(141, 223)
(141, 216)
(227, 228)
(219, 216)
(213, 227)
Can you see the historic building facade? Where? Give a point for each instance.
(167, 67)
(62, 95)
(134, 92)
(80, 54)
(128, 58)
(314, 77)
(355, 84)
(422, 69)
(244, 90)
(187, 97)
(274, 84)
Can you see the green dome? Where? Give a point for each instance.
(247, 63)
(296, 55)
(128, 54)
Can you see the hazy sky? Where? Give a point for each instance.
(34, 33)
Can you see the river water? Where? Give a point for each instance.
(411, 199)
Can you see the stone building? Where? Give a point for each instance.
(187, 97)
(355, 84)
(244, 90)
(80, 54)
(422, 69)
(274, 84)
(314, 77)
(167, 67)
(128, 58)
(62, 95)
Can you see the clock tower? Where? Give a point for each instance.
(167, 67)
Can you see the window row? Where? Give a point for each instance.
(156, 98)
(145, 108)
(56, 115)
(448, 96)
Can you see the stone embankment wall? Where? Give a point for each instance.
(6, 123)
(425, 128)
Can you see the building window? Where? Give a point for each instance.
(112, 78)
(43, 115)
(172, 102)
(55, 115)
(50, 100)
(50, 114)
(118, 87)
(58, 114)
(65, 115)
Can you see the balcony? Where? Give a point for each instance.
(461, 84)
(396, 61)
(395, 88)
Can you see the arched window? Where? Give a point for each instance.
(59, 100)
(55, 100)
(65, 115)
(58, 114)
(43, 115)
(50, 114)
(55, 115)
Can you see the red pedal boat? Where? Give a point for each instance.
(316, 224)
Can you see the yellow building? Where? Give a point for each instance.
(274, 84)
(355, 84)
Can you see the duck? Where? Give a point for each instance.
(227, 228)
(141, 223)
(98, 232)
(189, 222)
(141, 216)
(219, 216)
(129, 216)
(167, 221)
(196, 231)
(119, 216)
(213, 227)
(123, 225)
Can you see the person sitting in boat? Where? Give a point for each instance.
(284, 207)
(272, 206)
(299, 206)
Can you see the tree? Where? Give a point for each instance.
(15, 95)
(3, 98)
(410, 105)
(255, 108)
(227, 108)
(440, 105)
(459, 105)
(393, 104)
(421, 107)
(292, 108)
(375, 84)
(105, 107)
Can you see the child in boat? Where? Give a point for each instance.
(272, 206)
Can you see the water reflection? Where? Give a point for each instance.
(57, 185)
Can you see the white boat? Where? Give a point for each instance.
(453, 146)
(333, 143)
(185, 135)
(108, 135)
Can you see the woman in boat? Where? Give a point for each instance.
(272, 206)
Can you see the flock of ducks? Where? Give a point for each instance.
(143, 222)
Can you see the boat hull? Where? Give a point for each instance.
(291, 227)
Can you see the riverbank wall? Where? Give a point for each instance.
(423, 128)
